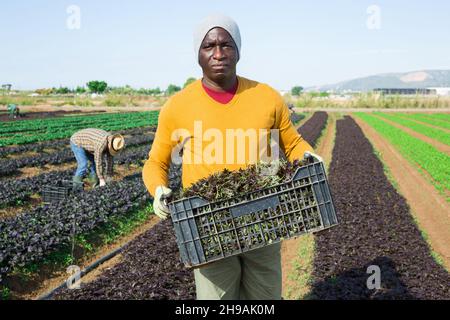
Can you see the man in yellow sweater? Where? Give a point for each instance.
(208, 118)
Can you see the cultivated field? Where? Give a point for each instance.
(389, 174)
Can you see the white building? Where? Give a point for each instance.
(441, 91)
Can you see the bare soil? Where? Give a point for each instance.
(121, 171)
(8, 212)
(430, 209)
(28, 172)
(21, 155)
(109, 264)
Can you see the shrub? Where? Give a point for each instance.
(114, 101)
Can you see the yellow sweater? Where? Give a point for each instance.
(222, 135)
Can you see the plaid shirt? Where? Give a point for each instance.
(95, 141)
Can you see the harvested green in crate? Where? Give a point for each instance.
(226, 184)
(237, 211)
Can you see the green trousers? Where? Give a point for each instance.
(254, 275)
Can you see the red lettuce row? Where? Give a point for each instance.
(376, 228)
(312, 129)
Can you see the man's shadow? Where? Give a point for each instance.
(353, 284)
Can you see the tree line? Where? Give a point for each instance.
(100, 87)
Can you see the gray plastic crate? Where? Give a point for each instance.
(59, 191)
(208, 232)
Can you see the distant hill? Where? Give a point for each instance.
(416, 79)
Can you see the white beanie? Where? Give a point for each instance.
(213, 21)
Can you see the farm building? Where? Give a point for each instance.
(440, 91)
(404, 91)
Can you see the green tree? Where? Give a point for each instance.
(171, 89)
(97, 86)
(80, 90)
(128, 89)
(62, 90)
(189, 81)
(155, 91)
(296, 91)
(143, 91)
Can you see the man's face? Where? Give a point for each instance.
(218, 55)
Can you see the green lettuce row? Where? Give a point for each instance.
(424, 118)
(63, 128)
(61, 121)
(436, 163)
(433, 133)
(52, 126)
(70, 130)
(440, 116)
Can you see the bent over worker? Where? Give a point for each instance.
(219, 102)
(13, 110)
(96, 146)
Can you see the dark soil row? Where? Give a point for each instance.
(30, 236)
(376, 228)
(312, 129)
(90, 209)
(296, 117)
(10, 167)
(150, 269)
(19, 190)
(63, 143)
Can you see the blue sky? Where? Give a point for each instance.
(284, 42)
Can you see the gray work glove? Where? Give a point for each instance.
(159, 207)
(309, 154)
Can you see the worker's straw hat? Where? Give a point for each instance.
(116, 143)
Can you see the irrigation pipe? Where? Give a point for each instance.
(85, 271)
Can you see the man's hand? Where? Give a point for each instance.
(309, 154)
(102, 183)
(161, 209)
